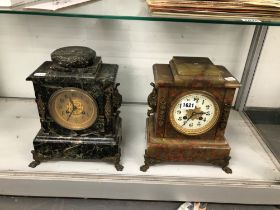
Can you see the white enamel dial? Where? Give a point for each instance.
(194, 113)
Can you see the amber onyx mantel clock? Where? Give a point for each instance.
(190, 106)
(78, 104)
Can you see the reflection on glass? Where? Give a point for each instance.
(267, 122)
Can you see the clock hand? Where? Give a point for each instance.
(70, 114)
(74, 108)
(192, 115)
(199, 113)
(72, 103)
(189, 118)
(70, 99)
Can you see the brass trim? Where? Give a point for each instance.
(60, 121)
(199, 131)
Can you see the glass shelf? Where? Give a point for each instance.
(130, 10)
(255, 177)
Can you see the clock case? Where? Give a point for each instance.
(83, 70)
(185, 75)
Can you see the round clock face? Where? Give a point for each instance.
(194, 113)
(73, 108)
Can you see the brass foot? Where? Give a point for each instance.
(223, 164)
(227, 170)
(144, 168)
(33, 164)
(119, 167)
(36, 161)
(148, 162)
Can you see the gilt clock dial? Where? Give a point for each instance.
(73, 108)
(194, 113)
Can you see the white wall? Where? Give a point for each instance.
(265, 90)
(27, 41)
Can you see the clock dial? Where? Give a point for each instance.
(73, 108)
(194, 113)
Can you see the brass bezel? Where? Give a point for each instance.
(60, 121)
(199, 131)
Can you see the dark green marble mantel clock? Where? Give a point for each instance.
(78, 104)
